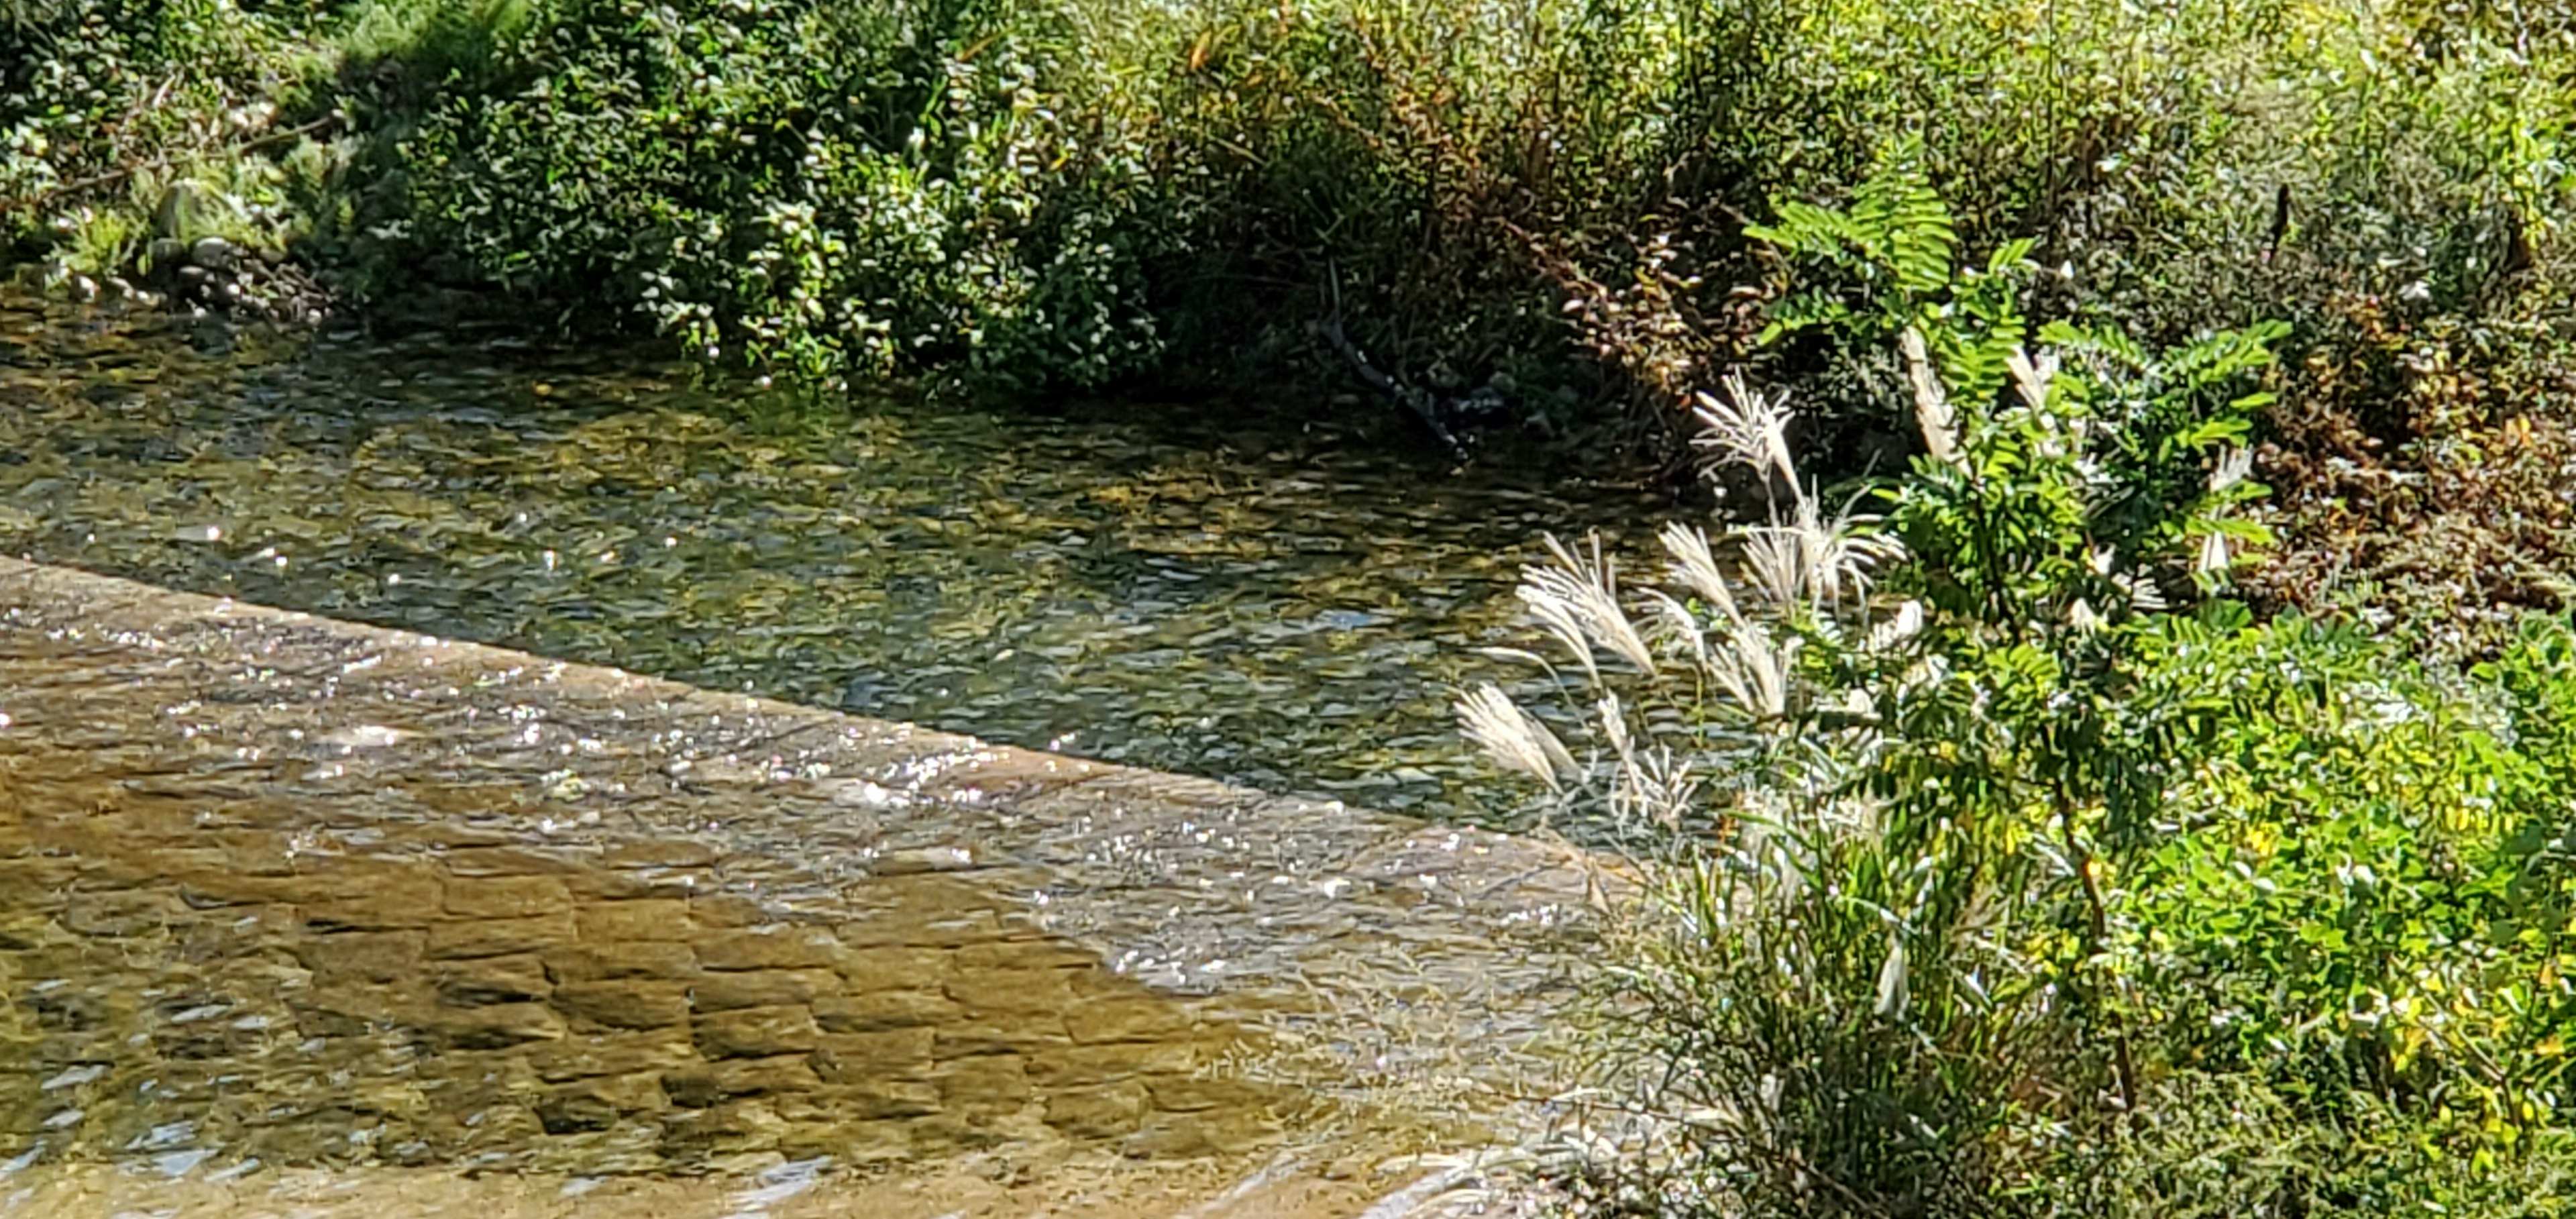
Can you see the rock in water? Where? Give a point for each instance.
(214, 254)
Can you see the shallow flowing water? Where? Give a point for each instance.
(296, 912)
(1200, 589)
(302, 917)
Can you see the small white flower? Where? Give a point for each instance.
(2232, 469)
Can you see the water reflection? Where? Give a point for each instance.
(1283, 607)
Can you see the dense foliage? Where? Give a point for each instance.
(1548, 195)
(2015, 870)
(97, 95)
(2027, 871)
(833, 189)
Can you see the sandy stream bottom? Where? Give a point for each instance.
(1103, 1189)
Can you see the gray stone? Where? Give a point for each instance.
(214, 254)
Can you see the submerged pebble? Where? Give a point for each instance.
(1283, 608)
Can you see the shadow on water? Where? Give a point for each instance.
(1272, 604)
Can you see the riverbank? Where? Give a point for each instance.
(1529, 220)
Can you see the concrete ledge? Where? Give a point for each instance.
(341, 894)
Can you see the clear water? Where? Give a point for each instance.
(1200, 588)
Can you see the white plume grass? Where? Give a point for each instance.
(1514, 738)
(1932, 409)
(1576, 598)
(1726, 640)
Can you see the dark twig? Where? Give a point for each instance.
(2280, 222)
(1418, 403)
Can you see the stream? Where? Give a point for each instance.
(1216, 591)
(304, 917)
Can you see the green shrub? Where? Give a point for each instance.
(270, 125)
(830, 190)
(1550, 195)
(2006, 844)
(91, 88)
(2367, 887)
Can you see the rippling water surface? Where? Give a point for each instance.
(1177, 587)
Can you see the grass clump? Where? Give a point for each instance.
(2013, 869)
